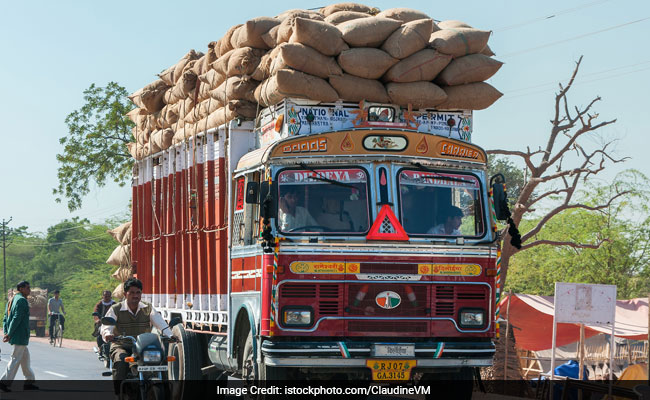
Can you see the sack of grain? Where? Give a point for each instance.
(242, 108)
(142, 137)
(122, 273)
(212, 78)
(487, 51)
(459, 42)
(368, 32)
(403, 15)
(167, 116)
(133, 150)
(418, 94)
(468, 69)
(202, 110)
(366, 62)
(453, 24)
(473, 96)
(243, 61)
(225, 44)
(340, 17)
(134, 115)
(304, 59)
(250, 34)
(409, 38)
(298, 13)
(181, 89)
(156, 86)
(118, 293)
(221, 65)
(284, 32)
(421, 66)
(352, 88)
(333, 8)
(120, 256)
(235, 88)
(119, 232)
(185, 107)
(162, 139)
(270, 38)
(152, 100)
(319, 35)
(171, 74)
(287, 83)
(263, 70)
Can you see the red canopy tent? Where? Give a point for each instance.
(532, 320)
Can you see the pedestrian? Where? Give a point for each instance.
(56, 310)
(15, 326)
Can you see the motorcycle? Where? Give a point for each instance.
(147, 364)
(104, 351)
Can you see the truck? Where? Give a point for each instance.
(323, 241)
(37, 309)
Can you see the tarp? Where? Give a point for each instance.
(532, 320)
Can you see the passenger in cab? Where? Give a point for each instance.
(453, 220)
(291, 215)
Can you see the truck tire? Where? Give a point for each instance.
(187, 366)
(40, 331)
(264, 372)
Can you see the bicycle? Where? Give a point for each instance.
(57, 333)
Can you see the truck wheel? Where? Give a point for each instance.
(264, 372)
(188, 356)
(40, 331)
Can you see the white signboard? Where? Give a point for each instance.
(580, 303)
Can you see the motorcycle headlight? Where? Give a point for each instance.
(151, 356)
(297, 316)
(472, 318)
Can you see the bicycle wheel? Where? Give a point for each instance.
(59, 335)
(54, 335)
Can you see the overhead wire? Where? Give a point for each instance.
(549, 16)
(23, 244)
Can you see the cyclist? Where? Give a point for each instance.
(101, 308)
(56, 310)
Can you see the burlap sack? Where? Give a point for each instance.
(487, 51)
(167, 117)
(366, 62)
(459, 42)
(287, 83)
(155, 86)
(243, 61)
(235, 88)
(118, 293)
(331, 9)
(142, 137)
(225, 44)
(343, 16)
(133, 150)
(271, 37)
(418, 94)
(181, 89)
(424, 65)
(242, 108)
(119, 232)
(468, 69)
(120, 256)
(285, 30)
(170, 76)
(153, 100)
(221, 65)
(134, 115)
(263, 70)
(202, 110)
(473, 96)
(122, 273)
(352, 88)
(297, 13)
(409, 38)
(368, 32)
(321, 36)
(453, 24)
(403, 15)
(185, 107)
(250, 34)
(304, 59)
(212, 78)
(162, 139)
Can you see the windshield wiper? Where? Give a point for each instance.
(320, 177)
(446, 178)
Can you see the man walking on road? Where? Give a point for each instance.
(56, 310)
(15, 325)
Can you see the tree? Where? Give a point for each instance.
(554, 181)
(95, 148)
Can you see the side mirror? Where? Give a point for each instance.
(500, 197)
(175, 321)
(252, 193)
(268, 200)
(108, 321)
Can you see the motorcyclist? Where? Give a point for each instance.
(133, 318)
(101, 308)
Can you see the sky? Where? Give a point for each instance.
(52, 51)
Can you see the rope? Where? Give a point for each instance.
(274, 283)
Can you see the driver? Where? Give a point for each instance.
(291, 215)
(132, 317)
(453, 220)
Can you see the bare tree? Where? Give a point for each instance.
(550, 179)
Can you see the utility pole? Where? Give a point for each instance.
(4, 251)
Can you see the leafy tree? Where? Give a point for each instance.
(95, 148)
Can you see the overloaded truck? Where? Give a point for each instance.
(350, 236)
(37, 309)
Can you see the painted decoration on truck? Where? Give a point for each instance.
(293, 122)
(348, 175)
(385, 143)
(323, 267)
(436, 179)
(450, 269)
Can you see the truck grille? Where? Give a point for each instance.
(448, 299)
(324, 298)
(367, 305)
(388, 326)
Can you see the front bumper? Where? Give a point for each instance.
(355, 354)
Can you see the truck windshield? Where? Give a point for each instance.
(310, 200)
(440, 204)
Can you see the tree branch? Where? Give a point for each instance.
(562, 243)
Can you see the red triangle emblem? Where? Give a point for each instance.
(386, 226)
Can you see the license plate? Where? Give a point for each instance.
(390, 370)
(150, 368)
(393, 350)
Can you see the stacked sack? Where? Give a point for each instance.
(345, 51)
(121, 257)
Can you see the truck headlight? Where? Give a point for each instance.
(297, 316)
(151, 356)
(472, 318)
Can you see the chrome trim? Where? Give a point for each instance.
(361, 362)
(383, 250)
(315, 327)
(246, 251)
